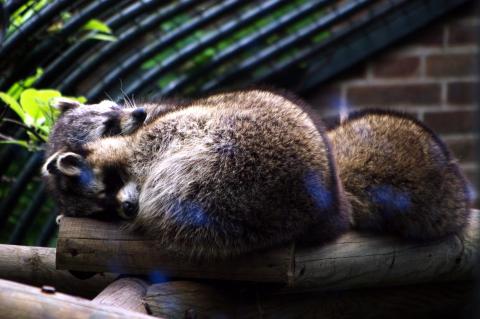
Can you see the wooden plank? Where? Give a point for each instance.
(36, 266)
(353, 260)
(19, 301)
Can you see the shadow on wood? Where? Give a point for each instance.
(352, 261)
(174, 299)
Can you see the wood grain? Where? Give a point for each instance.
(19, 301)
(126, 293)
(36, 266)
(352, 261)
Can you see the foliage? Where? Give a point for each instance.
(100, 31)
(25, 12)
(34, 109)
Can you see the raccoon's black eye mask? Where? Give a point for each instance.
(111, 126)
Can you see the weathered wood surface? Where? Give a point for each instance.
(36, 266)
(353, 260)
(18, 301)
(93, 245)
(174, 299)
(126, 293)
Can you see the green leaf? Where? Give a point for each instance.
(97, 25)
(101, 37)
(17, 88)
(13, 104)
(36, 104)
(28, 82)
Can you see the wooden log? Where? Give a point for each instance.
(175, 299)
(353, 260)
(18, 301)
(36, 266)
(126, 293)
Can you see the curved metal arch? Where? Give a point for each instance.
(271, 51)
(148, 52)
(108, 50)
(240, 46)
(8, 203)
(30, 26)
(52, 73)
(153, 74)
(42, 52)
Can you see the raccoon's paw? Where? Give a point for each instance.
(70, 164)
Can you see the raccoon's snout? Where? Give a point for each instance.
(139, 114)
(129, 210)
(133, 120)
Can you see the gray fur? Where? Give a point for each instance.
(230, 174)
(77, 125)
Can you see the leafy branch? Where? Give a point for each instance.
(34, 109)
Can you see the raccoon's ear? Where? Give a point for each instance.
(70, 164)
(64, 104)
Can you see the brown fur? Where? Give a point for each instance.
(399, 176)
(82, 191)
(229, 174)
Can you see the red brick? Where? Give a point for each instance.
(462, 35)
(394, 95)
(462, 93)
(397, 67)
(463, 148)
(451, 121)
(449, 65)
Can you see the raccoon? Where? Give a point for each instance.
(221, 177)
(77, 125)
(398, 176)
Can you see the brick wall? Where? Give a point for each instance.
(431, 74)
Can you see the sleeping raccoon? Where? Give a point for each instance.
(398, 176)
(221, 177)
(79, 124)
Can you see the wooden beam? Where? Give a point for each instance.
(36, 266)
(126, 293)
(176, 298)
(354, 260)
(19, 301)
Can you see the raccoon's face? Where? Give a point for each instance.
(87, 192)
(79, 124)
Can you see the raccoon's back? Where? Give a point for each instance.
(399, 176)
(241, 180)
